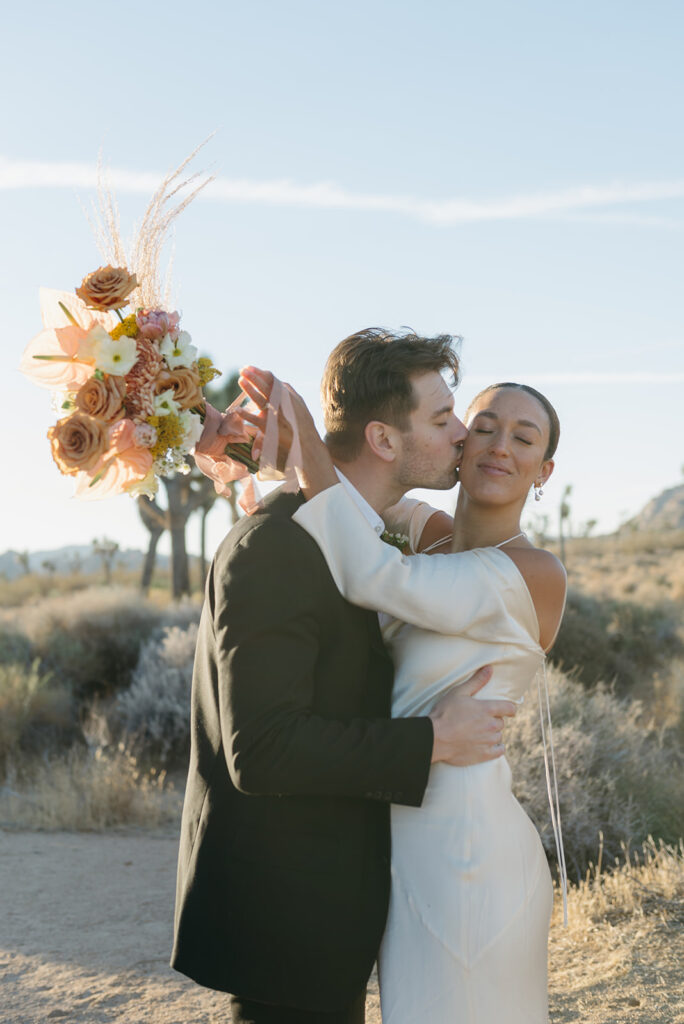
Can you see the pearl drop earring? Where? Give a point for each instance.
(538, 492)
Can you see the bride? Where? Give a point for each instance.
(466, 937)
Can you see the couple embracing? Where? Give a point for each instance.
(334, 749)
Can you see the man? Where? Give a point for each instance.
(283, 877)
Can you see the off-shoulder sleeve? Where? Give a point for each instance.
(444, 593)
(409, 516)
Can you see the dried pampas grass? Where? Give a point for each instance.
(143, 256)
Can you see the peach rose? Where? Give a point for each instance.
(107, 288)
(185, 384)
(78, 442)
(121, 465)
(102, 398)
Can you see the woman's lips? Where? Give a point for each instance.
(493, 470)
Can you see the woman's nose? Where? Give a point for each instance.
(498, 444)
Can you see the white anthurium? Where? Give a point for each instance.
(111, 356)
(193, 427)
(164, 403)
(180, 352)
(149, 485)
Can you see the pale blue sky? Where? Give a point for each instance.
(509, 172)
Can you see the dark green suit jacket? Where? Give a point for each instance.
(283, 875)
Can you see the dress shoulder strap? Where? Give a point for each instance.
(436, 544)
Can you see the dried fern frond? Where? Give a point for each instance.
(143, 258)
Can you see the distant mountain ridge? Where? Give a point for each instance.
(72, 558)
(664, 512)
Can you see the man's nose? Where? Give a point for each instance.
(460, 431)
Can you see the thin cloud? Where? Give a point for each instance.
(584, 378)
(35, 174)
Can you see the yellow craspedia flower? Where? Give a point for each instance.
(207, 371)
(170, 433)
(128, 326)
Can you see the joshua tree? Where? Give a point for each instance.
(22, 558)
(563, 517)
(156, 520)
(106, 550)
(185, 494)
(75, 563)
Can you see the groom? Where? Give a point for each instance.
(283, 875)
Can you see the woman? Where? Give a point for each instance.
(466, 936)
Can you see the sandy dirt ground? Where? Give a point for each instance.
(85, 937)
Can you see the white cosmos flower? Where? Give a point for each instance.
(164, 403)
(115, 357)
(178, 353)
(192, 425)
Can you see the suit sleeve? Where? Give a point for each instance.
(443, 593)
(266, 617)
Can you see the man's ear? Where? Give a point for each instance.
(382, 440)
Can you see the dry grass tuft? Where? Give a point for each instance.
(31, 710)
(620, 957)
(87, 791)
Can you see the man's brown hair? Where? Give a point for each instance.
(368, 377)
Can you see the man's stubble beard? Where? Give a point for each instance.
(414, 471)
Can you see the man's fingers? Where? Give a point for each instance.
(477, 681)
(502, 708)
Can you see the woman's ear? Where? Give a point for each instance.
(545, 472)
(381, 438)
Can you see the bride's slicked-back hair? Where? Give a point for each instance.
(368, 377)
(552, 415)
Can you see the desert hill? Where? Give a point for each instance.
(664, 512)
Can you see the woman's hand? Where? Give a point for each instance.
(316, 472)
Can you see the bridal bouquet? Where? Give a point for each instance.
(128, 388)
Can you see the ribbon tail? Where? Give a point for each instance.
(552, 783)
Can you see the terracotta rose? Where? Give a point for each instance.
(102, 398)
(107, 288)
(78, 442)
(185, 383)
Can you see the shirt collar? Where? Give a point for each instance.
(368, 510)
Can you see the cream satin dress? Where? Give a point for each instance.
(467, 931)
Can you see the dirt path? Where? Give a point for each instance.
(85, 932)
(85, 936)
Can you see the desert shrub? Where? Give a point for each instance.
(606, 640)
(90, 640)
(15, 646)
(617, 774)
(34, 713)
(35, 586)
(87, 791)
(155, 709)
